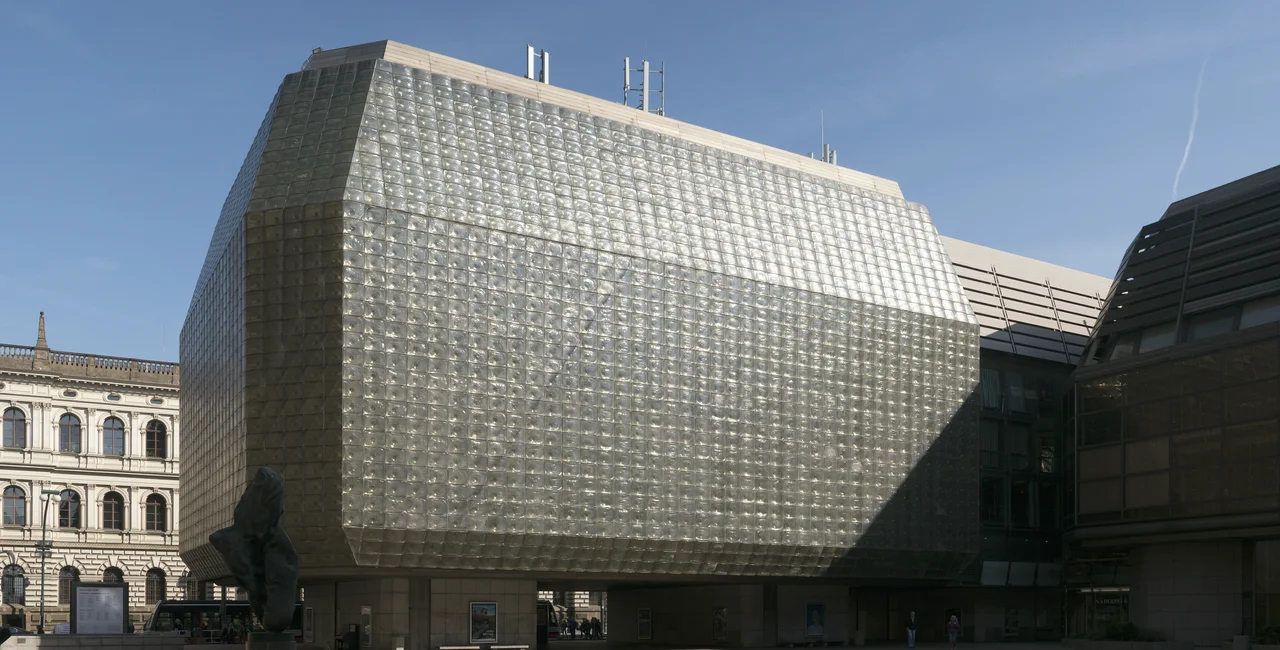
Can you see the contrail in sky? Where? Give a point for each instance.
(1191, 134)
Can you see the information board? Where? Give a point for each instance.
(99, 607)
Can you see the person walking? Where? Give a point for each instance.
(911, 630)
(573, 628)
(953, 630)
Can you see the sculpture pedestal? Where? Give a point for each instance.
(270, 641)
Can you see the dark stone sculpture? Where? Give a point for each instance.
(259, 553)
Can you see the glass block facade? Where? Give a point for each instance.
(487, 331)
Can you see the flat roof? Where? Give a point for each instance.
(420, 59)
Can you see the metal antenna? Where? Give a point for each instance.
(531, 59)
(828, 154)
(645, 88)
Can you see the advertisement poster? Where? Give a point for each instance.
(644, 625)
(719, 624)
(484, 622)
(815, 620)
(309, 625)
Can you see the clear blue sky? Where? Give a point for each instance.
(1049, 129)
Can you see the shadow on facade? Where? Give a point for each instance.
(928, 529)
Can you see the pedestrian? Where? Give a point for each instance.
(911, 630)
(586, 627)
(595, 628)
(564, 628)
(953, 630)
(573, 628)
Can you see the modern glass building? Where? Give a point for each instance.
(1034, 319)
(495, 333)
(1177, 442)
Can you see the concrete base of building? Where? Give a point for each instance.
(424, 613)
(741, 616)
(270, 641)
(122, 641)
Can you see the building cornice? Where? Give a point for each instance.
(89, 367)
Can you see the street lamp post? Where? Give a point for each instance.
(47, 496)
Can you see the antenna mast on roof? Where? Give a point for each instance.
(644, 85)
(828, 154)
(544, 75)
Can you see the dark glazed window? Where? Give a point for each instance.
(1048, 439)
(993, 495)
(112, 575)
(14, 585)
(1214, 323)
(113, 511)
(66, 578)
(69, 434)
(1018, 440)
(1020, 504)
(1015, 393)
(113, 437)
(156, 439)
(1260, 311)
(1158, 336)
(69, 510)
(990, 387)
(1126, 344)
(1100, 428)
(989, 443)
(1047, 500)
(156, 512)
(155, 586)
(15, 507)
(15, 429)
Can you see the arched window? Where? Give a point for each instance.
(15, 506)
(113, 437)
(112, 574)
(15, 429)
(113, 511)
(156, 439)
(155, 512)
(66, 578)
(13, 585)
(69, 434)
(190, 587)
(69, 510)
(155, 586)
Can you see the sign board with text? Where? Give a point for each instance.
(99, 607)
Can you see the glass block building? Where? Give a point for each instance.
(488, 327)
(1177, 441)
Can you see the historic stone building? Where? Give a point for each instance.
(89, 461)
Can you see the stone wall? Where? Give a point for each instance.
(92, 563)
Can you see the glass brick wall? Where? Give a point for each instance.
(510, 335)
(212, 345)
